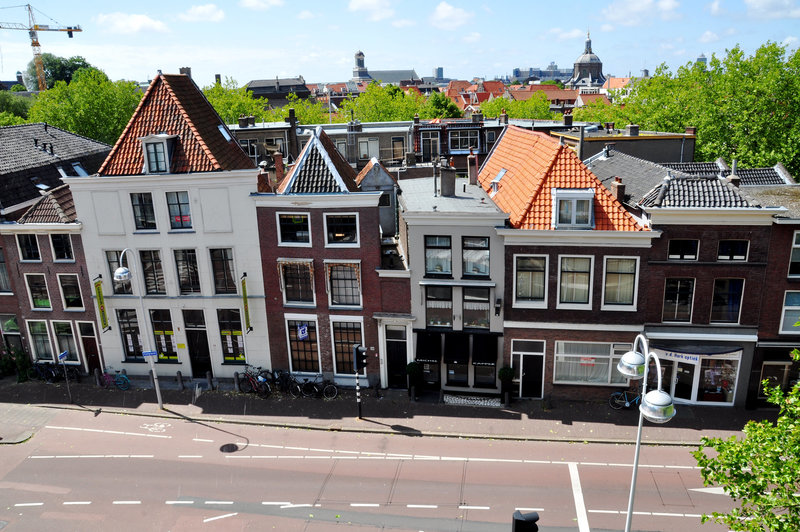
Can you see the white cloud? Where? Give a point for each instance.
(447, 17)
(129, 23)
(637, 12)
(607, 27)
(472, 37)
(566, 35)
(715, 7)
(773, 8)
(403, 23)
(376, 9)
(204, 13)
(791, 42)
(709, 36)
(260, 5)
(305, 15)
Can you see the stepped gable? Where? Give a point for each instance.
(529, 165)
(174, 105)
(320, 168)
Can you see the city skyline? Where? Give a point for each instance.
(262, 39)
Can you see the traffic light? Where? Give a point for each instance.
(359, 358)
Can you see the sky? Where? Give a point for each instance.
(262, 39)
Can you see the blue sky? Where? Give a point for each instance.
(258, 39)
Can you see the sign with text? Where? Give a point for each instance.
(101, 304)
(149, 354)
(62, 356)
(302, 332)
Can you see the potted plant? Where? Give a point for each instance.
(414, 372)
(506, 376)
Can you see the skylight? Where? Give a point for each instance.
(224, 131)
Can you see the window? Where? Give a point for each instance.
(733, 250)
(344, 286)
(222, 268)
(156, 157)
(62, 247)
(303, 345)
(573, 208)
(297, 281)
(180, 216)
(293, 229)
(727, 300)
(620, 282)
(530, 280)
(11, 333)
(5, 282)
(341, 229)
(345, 334)
(367, 148)
(250, 147)
(37, 290)
(188, 278)
(144, 217)
(678, 295)
(588, 363)
(129, 331)
(475, 254)
(230, 330)
(65, 340)
(163, 335)
(683, 249)
(341, 145)
(794, 261)
(430, 145)
(490, 136)
(456, 358)
(120, 287)
(153, 272)
(476, 308)
(40, 340)
(70, 292)
(463, 139)
(438, 256)
(575, 282)
(439, 306)
(398, 148)
(28, 247)
(791, 312)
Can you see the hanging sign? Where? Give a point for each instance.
(101, 303)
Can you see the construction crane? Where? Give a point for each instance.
(33, 30)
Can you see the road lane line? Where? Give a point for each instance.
(190, 456)
(322, 450)
(272, 503)
(364, 505)
(297, 448)
(178, 502)
(202, 440)
(594, 463)
(218, 502)
(220, 517)
(529, 509)
(71, 503)
(43, 456)
(432, 506)
(616, 512)
(296, 506)
(465, 507)
(546, 462)
(580, 506)
(29, 504)
(663, 514)
(126, 502)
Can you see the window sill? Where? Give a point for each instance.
(436, 275)
(299, 305)
(343, 246)
(146, 232)
(529, 304)
(82, 309)
(573, 306)
(181, 231)
(346, 307)
(134, 361)
(618, 308)
(172, 362)
(294, 244)
(234, 363)
(64, 261)
(42, 310)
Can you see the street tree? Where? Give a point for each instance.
(761, 471)
(231, 101)
(307, 111)
(91, 105)
(55, 69)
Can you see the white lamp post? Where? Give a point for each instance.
(123, 274)
(655, 405)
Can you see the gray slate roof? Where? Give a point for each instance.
(776, 175)
(772, 196)
(319, 169)
(392, 76)
(693, 191)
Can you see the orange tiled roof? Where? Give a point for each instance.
(588, 98)
(174, 105)
(534, 163)
(615, 83)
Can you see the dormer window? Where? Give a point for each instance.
(573, 208)
(157, 152)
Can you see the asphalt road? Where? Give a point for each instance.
(126, 473)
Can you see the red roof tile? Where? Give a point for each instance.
(55, 207)
(174, 105)
(535, 163)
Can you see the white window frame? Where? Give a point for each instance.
(278, 215)
(32, 344)
(30, 296)
(575, 306)
(459, 134)
(76, 357)
(573, 196)
(532, 304)
(162, 139)
(373, 148)
(356, 244)
(300, 317)
(697, 251)
(734, 259)
(795, 247)
(350, 319)
(360, 280)
(691, 309)
(284, 262)
(741, 301)
(53, 248)
(615, 352)
(19, 247)
(4, 273)
(63, 299)
(791, 308)
(610, 306)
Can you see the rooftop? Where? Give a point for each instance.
(418, 197)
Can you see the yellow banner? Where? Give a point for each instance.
(101, 304)
(246, 306)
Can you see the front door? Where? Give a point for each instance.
(89, 343)
(528, 374)
(197, 342)
(396, 356)
(684, 381)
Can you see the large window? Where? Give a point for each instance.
(463, 139)
(62, 247)
(120, 287)
(368, 148)
(163, 335)
(727, 301)
(530, 278)
(476, 308)
(153, 271)
(297, 280)
(129, 332)
(791, 312)
(28, 247)
(345, 334)
(65, 340)
(475, 255)
(180, 216)
(222, 268)
(188, 278)
(144, 216)
(341, 229)
(438, 256)
(573, 209)
(70, 292)
(683, 249)
(732, 250)
(37, 290)
(293, 229)
(230, 330)
(439, 306)
(5, 282)
(40, 340)
(344, 286)
(303, 345)
(429, 141)
(575, 282)
(588, 363)
(794, 261)
(619, 289)
(678, 296)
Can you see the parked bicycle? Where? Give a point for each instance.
(625, 399)
(287, 383)
(255, 380)
(44, 371)
(319, 387)
(120, 380)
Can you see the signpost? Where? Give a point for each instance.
(62, 357)
(150, 356)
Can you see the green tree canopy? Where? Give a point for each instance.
(92, 105)
(232, 101)
(535, 107)
(307, 111)
(760, 471)
(382, 104)
(13, 104)
(555, 82)
(438, 105)
(55, 69)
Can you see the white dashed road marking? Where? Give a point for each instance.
(126, 502)
(69, 503)
(29, 504)
(116, 432)
(220, 517)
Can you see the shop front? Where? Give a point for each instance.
(701, 376)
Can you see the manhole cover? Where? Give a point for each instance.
(229, 448)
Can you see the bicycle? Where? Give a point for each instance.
(625, 399)
(319, 387)
(120, 380)
(287, 383)
(254, 379)
(43, 371)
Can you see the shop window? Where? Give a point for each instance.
(129, 331)
(231, 338)
(588, 363)
(439, 306)
(718, 380)
(778, 374)
(163, 335)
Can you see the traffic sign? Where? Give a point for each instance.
(62, 356)
(149, 354)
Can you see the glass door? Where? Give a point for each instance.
(684, 381)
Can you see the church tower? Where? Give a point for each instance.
(588, 69)
(360, 71)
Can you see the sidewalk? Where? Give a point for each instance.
(26, 407)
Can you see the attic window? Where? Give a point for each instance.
(38, 183)
(157, 152)
(573, 208)
(224, 131)
(496, 181)
(79, 170)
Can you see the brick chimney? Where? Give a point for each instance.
(632, 130)
(279, 169)
(503, 117)
(187, 71)
(618, 189)
(262, 181)
(472, 167)
(691, 130)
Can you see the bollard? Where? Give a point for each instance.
(235, 381)
(413, 393)
(179, 378)
(209, 381)
(152, 380)
(97, 376)
(506, 399)
(521, 522)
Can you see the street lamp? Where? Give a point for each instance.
(655, 405)
(328, 95)
(123, 274)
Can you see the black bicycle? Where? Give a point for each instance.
(319, 387)
(625, 399)
(287, 383)
(254, 379)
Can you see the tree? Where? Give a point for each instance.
(762, 470)
(438, 105)
(17, 88)
(231, 101)
(307, 111)
(55, 69)
(383, 104)
(9, 119)
(91, 105)
(535, 107)
(15, 105)
(555, 82)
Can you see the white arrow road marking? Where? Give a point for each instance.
(716, 490)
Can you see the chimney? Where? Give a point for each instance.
(607, 148)
(691, 130)
(503, 117)
(618, 189)
(187, 71)
(416, 118)
(217, 79)
(251, 120)
(51, 148)
(734, 178)
(242, 121)
(472, 167)
(632, 130)
(36, 142)
(567, 120)
(262, 182)
(279, 170)
(477, 118)
(448, 177)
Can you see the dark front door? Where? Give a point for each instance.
(684, 381)
(532, 368)
(396, 356)
(90, 350)
(197, 342)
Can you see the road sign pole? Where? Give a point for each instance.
(62, 357)
(150, 355)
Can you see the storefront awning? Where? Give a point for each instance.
(429, 347)
(456, 348)
(484, 350)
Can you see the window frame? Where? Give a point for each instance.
(226, 277)
(789, 308)
(187, 271)
(478, 302)
(33, 343)
(162, 141)
(486, 251)
(448, 247)
(152, 275)
(343, 244)
(65, 306)
(629, 307)
(30, 275)
(5, 279)
(282, 263)
(144, 212)
(292, 243)
(428, 299)
(728, 292)
(682, 256)
(179, 209)
(346, 345)
(228, 346)
(570, 305)
(56, 249)
(329, 282)
(731, 257)
(131, 351)
(117, 287)
(677, 302)
(461, 140)
(531, 303)
(291, 323)
(615, 352)
(167, 336)
(21, 248)
(72, 357)
(373, 148)
(573, 196)
(794, 253)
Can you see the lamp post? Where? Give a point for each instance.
(655, 405)
(328, 96)
(123, 274)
